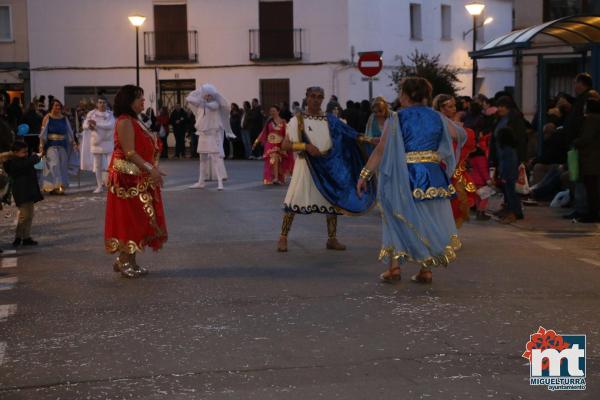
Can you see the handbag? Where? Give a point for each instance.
(40, 165)
(573, 164)
(522, 185)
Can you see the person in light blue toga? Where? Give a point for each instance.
(56, 144)
(416, 159)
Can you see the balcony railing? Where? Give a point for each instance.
(275, 44)
(171, 47)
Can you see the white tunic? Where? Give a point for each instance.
(102, 138)
(98, 142)
(302, 195)
(209, 128)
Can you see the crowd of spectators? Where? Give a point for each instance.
(534, 151)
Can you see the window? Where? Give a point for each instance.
(415, 22)
(5, 24)
(446, 22)
(554, 9)
(276, 22)
(171, 35)
(274, 91)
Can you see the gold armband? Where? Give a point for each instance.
(130, 154)
(299, 146)
(366, 174)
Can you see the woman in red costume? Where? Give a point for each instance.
(462, 182)
(278, 163)
(134, 210)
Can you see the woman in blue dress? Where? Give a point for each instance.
(415, 159)
(56, 143)
(380, 113)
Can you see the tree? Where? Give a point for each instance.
(442, 77)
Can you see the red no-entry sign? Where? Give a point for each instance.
(370, 63)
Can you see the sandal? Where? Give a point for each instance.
(391, 275)
(282, 244)
(424, 277)
(126, 269)
(141, 271)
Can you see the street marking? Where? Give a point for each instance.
(590, 261)
(239, 186)
(546, 245)
(7, 310)
(8, 283)
(9, 262)
(2, 351)
(178, 188)
(81, 189)
(8, 252)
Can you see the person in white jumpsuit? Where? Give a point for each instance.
(212, 121)
(98, 141)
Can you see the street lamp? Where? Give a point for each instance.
(137, 21)
(475, 9)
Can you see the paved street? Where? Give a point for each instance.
(224, 316)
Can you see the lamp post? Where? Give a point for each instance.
(137, 21)
(475, 9)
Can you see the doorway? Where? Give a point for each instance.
(274, 91)
(174, 91)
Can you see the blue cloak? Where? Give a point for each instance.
(336, 173)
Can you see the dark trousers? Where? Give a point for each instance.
(194, 145)
(513, 202)
(591, 183)
(165, 149)
(25, 220)
(550, 185)
(179, 143)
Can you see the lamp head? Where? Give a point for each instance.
(475, 8)
(136, 20)
(488, 20)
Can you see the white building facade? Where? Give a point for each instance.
(271, 50)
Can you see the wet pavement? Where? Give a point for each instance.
(222, 315)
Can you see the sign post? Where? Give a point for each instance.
(370, 64)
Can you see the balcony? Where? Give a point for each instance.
(171, 47)
(275, 44)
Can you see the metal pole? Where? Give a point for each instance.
(371, 89)
(474, 77)
(137, 56)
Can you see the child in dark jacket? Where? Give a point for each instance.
(509, 172)
(25, 190)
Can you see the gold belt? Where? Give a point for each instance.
(56, 136)
(274, 139)
(125, 167)
(430, 156)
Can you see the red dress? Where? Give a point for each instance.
(134, 210)
(278, 163)
(462, 182)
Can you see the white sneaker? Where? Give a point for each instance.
(98, 189)
(220, 187)
(198, 185)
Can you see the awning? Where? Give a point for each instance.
(579, 32)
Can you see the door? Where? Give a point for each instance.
(170, 32)
(175, 91)
(276, 21)
(274, 92)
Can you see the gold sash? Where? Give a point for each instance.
(413, 157)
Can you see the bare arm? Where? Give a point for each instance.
(127, 141)
(43, 131)
(286, 145)
(311, 149)
(372, 163)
